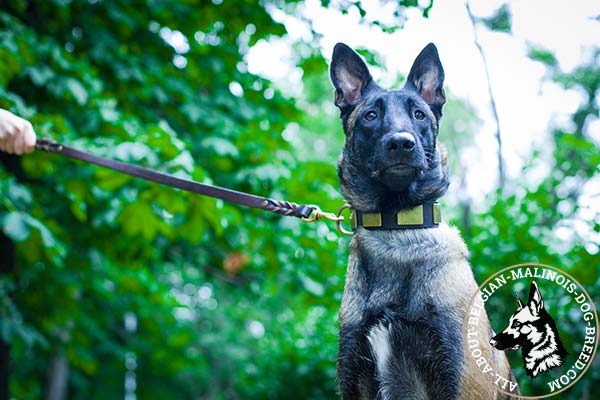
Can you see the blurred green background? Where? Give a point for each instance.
(118, 288)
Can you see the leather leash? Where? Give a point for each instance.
(307, 213)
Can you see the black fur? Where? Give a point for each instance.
(437, 337)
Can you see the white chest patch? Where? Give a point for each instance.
(379, 339)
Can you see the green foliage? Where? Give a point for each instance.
(500, 21)
(544, 56)
(397, 10)
(94, 245)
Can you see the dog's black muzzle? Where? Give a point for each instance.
(400, 160)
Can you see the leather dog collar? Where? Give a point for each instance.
(428, 215)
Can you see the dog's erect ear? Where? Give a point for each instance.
(536, 303)
(349, 74)
(426, 77)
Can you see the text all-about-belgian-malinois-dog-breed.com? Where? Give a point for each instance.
(408, 282)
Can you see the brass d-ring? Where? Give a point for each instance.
(338, 223)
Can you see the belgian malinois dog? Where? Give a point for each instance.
(408, 281)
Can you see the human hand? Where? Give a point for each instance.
(16, 134)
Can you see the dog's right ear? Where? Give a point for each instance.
(349, 75)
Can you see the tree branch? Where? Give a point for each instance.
(501, 174)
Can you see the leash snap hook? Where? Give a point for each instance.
(318, 214)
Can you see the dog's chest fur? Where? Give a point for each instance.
(408, 266)
(400, 320)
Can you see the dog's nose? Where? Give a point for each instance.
(493, 342)
(399, 143)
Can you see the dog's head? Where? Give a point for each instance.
(391, 158)
(526, 324)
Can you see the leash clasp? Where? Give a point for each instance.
(318, 214)
(338, 218)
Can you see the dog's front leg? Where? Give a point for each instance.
(356, 369)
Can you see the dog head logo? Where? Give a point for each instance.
(534, 331)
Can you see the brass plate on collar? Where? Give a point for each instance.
(371, 220)
(414, 216)
(437, 213)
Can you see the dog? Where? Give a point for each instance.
(407, 287)
(533, 330)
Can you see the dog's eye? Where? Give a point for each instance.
(420, 115)
(370, 115)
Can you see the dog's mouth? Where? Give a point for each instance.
(403, 169)
(398, 176)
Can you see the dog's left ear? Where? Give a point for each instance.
(426, 77)
(536, 303)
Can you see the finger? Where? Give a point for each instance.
(7, 129)
(9, 144)
(18, 141)
(3, 129)
(9, 140)
(29, 138)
